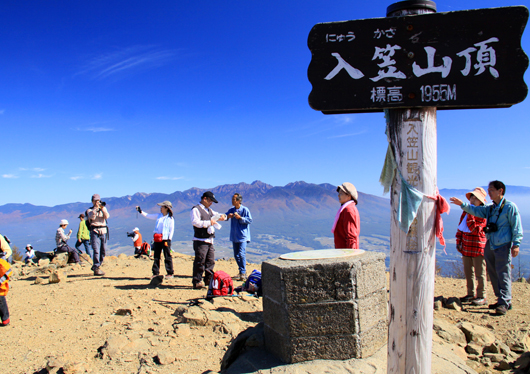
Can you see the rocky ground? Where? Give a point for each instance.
(120, 324)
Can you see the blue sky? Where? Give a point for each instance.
(116, 97)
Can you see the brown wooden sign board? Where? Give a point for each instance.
(454, 60)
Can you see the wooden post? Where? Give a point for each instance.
(412, 134)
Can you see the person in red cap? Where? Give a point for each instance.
(347, 225)
(470, 242)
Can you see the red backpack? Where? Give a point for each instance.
(145, 248)
(221, 284)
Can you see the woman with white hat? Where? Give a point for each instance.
(347, 225)
(30, 254)
(163, 233)
(470, 242)
(61, 241)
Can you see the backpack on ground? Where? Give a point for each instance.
(145, 249)
(253, 283)
(221, 284)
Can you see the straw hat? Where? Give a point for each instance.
(479, 193)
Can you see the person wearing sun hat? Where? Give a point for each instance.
(504, 232)
(347, 224)
(61, 240)
(470, 242)
(30, 254)
(163, 234)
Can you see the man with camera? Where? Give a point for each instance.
(99, 234)
(504, 231)
(137, 240)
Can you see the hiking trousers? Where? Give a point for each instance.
(204, 261)
(4, 311)
(158, 248)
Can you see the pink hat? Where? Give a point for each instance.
(479, 193)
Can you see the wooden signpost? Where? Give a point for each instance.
(409, 64)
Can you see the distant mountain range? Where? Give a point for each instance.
(297, 216)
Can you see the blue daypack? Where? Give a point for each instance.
(253, 283)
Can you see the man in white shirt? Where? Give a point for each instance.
(204, 221)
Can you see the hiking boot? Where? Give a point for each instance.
(496, 305)
(169, 276)
(207, 280)
(479, 301)
(198, 286)
(501, 310)
(5, 323)
(242, 277)
(98, 272)
(467, 299)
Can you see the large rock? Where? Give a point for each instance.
(449, 331)
(60, 259)
(519, 341)
(476, 334)
(243, 358)
(57, 276)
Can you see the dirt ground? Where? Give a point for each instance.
(71, 320)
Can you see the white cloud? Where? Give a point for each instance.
(32, 169)
(116, 64)
(9, 176)
(95, 129)
(41, 176)
(76, 178)
(345, 135)
(97, 176)
(169, 178)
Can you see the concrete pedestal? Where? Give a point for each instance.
(325, 309)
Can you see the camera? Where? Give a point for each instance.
(102, 203)
(490, 227)
(130, 234)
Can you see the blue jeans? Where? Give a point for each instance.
(498, 263)
(99, 246)
(240, 256)
(86, 243)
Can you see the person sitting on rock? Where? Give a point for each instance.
(61, 241)
(30, 254)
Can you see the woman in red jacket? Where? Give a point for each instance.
(347, 225)
(470, 242)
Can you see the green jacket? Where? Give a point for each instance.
(83, 233)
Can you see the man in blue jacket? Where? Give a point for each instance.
(239, 233)
(504, 231)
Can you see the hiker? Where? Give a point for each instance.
(99, 232)
(470, 242)
(163, 234)
(5, 248)
(5, 274)
(204, 221)
(504, 232)
(30, 254)
(239, 233)
(347, 225)
(137, 240)
(83, 236)
(61, 240)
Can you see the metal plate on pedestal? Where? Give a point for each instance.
(321, 254)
